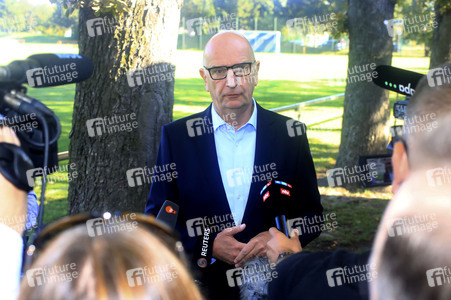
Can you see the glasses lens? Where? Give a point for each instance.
(218, 73)
(242, 69)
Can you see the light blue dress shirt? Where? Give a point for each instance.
(236, 152)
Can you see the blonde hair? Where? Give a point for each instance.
(102, 265)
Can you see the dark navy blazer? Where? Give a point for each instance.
(198, 188)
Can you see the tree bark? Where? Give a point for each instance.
(441, 40)
(366, 106)
(145, 37)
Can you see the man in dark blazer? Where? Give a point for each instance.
(223, 157)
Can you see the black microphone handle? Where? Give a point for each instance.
(281, 224)
(15, 71)
(168, 218)
(48, 69)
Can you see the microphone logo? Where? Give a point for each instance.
(170, 210)
(266, 196)
(285, 192)
(202, 262)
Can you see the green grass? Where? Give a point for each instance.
(357, 219)
(268, 93)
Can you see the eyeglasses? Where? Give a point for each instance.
(160, 230)
(240, 70)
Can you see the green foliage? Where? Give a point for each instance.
(411, 11)
(59, 17)
(248, 10)
(197, 8)
(27, 16)
(444, 6)
(226, 7)
(100, 7)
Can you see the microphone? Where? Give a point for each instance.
(15, 104)
(168, 214)
(276, 196)
(48, 69)
(396, 79)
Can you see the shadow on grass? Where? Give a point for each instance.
(357, 219)
(324, 155)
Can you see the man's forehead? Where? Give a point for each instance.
(227, 49)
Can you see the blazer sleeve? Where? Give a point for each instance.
(307, 193)
(305, 273)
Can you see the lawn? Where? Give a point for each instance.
(284, 79)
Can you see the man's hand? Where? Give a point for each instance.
(225, 246)
(13, 202)
(255, 247)
(279, 244)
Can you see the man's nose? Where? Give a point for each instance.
(231, 79)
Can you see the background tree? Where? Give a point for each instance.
(226, 7)
(250, 11)
(60, 19)
(145, 35)
(366, 106)
(197, 9)
(416, 8)
(441, 40)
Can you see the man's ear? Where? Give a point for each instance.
(203, 74)
(254, 74)
(400, 166)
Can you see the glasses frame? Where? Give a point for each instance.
(230, 67)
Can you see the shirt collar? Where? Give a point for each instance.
(218, 121)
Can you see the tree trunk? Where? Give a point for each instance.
(366, 106)
(144, 38)
(441, 40)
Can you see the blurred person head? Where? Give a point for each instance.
(414, 261)
(427, 131)
(426, 148)
(123, 264)
(230, 89)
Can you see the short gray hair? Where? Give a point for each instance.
(428, 124)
